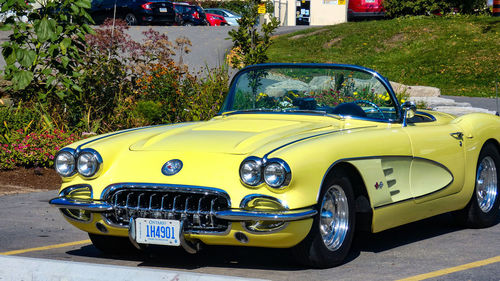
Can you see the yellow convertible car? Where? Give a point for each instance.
(300, 156)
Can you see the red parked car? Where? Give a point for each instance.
(216, 20)
(365, 8)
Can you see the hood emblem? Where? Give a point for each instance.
(172, 167)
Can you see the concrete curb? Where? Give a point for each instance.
(31, 269)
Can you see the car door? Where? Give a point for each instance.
(437, 169)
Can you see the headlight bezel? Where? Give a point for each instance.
(95, 156)
(262, 164)
(258, 163)
(286, 171)
(71, 153)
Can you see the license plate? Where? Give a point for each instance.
(163, 10)
(369, 1)
(158, 232)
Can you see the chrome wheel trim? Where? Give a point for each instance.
(334, 217)
(486, 184)
(130, 19)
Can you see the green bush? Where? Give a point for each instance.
(208, 94)
(237, 6)
(14, 119)
(250, 43)
(397, 8)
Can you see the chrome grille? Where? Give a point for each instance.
(196, 206)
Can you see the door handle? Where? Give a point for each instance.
(457, 135)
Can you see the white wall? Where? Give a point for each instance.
(321, 13)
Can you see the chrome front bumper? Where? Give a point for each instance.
(237, 215)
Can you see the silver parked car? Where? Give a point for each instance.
(230, 16)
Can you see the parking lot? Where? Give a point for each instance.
(435, 247)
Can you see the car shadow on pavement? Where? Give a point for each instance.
(278, 259)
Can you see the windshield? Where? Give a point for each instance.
(339, 90)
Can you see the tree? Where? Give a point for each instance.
(44, 51)
(249, 43)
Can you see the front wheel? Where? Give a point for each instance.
(330, 237)
(482, 210)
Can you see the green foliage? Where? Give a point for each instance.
(458, 54)
(208, 94)
(35, 149)
(167, 94)
(42, 55)
(249, 44)
(237, 6)
(14, 119)
(397, 8)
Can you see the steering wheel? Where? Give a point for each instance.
(372, 104)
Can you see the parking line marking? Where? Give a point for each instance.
(453, 269)
(16, 252)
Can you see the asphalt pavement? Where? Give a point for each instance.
(30, 225)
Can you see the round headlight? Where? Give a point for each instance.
(88, 163)
(250, 172)
(64, 163)
(275, 175)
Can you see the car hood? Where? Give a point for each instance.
(235, 134)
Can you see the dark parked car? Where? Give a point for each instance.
(134, 12)
(187, 14)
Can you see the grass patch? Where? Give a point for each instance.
(458, 54)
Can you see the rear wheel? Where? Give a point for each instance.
(188, 23)
(131, 19)
(112, 244)
(482, 210)
(330, 237)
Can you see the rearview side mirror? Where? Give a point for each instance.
(409, 109)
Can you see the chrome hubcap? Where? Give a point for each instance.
(486, 184)
(130, 20)
(334, 218)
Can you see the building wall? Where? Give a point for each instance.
(327, 14)
(321, 13)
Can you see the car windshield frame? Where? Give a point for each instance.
(227, 108)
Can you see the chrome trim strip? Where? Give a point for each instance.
(426, 114)
(285, 216)
(310, 137)
(81, 204)
(390, 156)
(91, 218)
(159, 187)
(250, 197)
(68, 190)
(275, 230)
